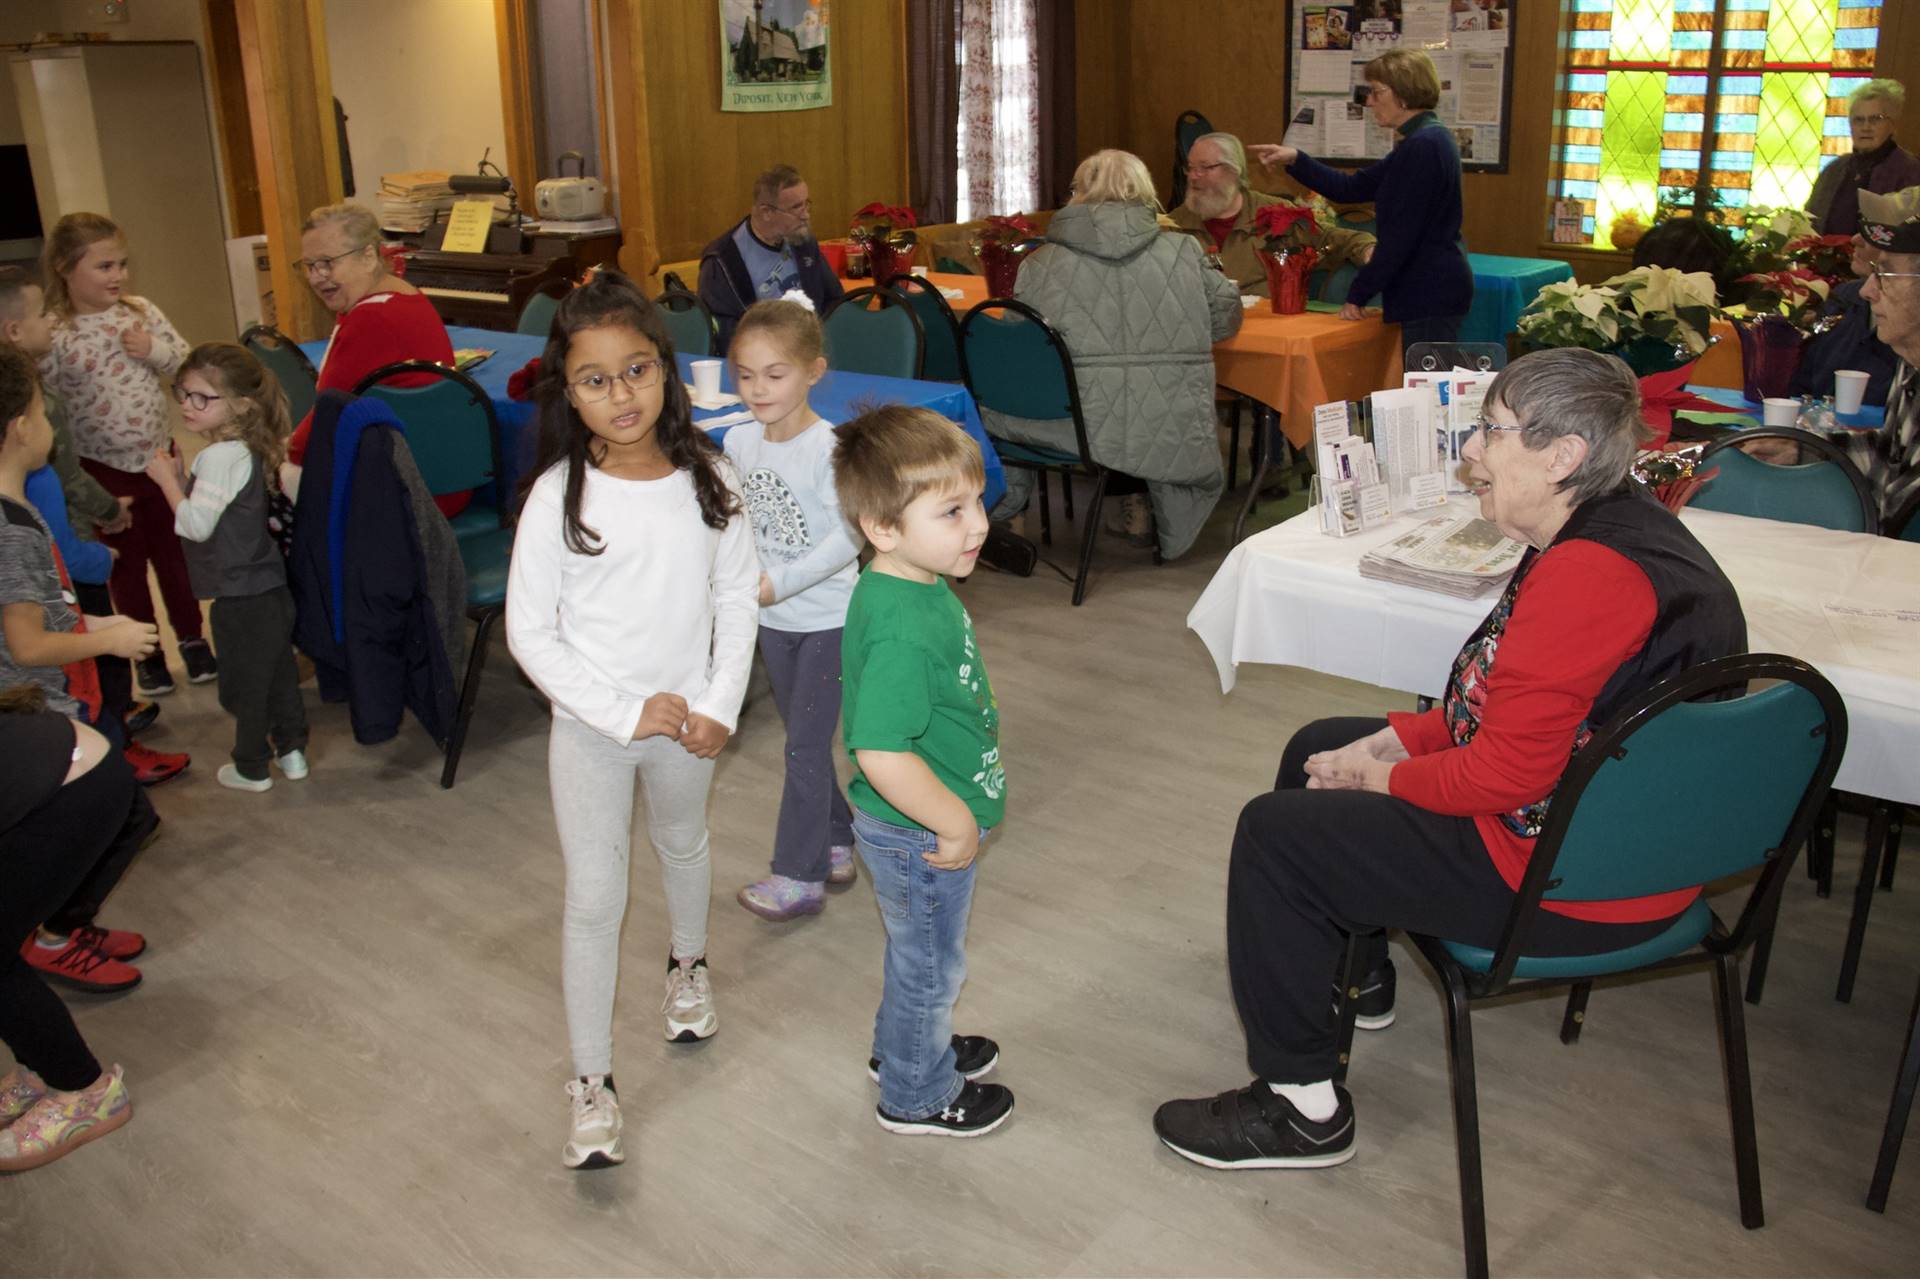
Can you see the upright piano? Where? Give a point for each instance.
(484, 290)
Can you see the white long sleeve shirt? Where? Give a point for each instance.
(669, 604)
(116, 405)
(806, 549)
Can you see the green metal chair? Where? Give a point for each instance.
(1905, 522)
(940, 361)
(874, 331)
(689, 323)
(455, 440)
(1829, 492)
(1015, 363)
(289, 365)
(536, 317)
(1635, 815)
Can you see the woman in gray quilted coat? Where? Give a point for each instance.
(1139, 310)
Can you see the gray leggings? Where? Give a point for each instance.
(804, 669)
(592, 781)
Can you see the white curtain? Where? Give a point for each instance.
(999, 132)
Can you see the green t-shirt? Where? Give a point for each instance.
(913, 680)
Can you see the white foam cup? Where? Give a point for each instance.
(1779, 411)
(706, 379)
(1849, 389)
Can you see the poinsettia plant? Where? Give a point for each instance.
(1285, 226)
(1007, 231)
(1672, 308)
(1797, 293)
(882, 221)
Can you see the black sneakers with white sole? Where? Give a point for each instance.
(973, 1056)
(1255, 1128)
(1373, 1009)
(977, 1111)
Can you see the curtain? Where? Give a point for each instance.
(933, 106)
(999, 107)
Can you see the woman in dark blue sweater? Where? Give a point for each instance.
(1419, 268)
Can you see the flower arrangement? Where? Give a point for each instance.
(1000, 244)
(879, 221)
(1009, 231)
(1650, 315)
(885, 232)
(1285, 226)
(1796, 294)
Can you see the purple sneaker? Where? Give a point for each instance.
(841, 870)
(778, 898)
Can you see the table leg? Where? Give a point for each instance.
(1269, 453)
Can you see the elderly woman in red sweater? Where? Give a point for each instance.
(1425, 822)
(383, 319)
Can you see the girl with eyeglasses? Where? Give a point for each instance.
(631, 603)
(220, 512)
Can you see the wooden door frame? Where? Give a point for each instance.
(513, 32)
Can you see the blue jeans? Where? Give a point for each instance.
(925, 912)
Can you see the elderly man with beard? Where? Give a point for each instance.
(1220, 205)
(766, 254)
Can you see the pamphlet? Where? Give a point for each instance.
(1457, 555)
(1405, 440)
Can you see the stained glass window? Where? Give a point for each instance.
(1746, 98)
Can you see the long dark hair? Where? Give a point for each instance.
(606, 298)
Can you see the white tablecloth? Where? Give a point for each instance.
(1294, 596)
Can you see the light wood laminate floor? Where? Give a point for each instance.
(348, 1052)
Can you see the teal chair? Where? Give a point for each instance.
(1829, 491)
(536, 317)
(455, 440)
(1016, 364)
(689, 324)
(1636, 814)
(1904, 523)
(289, 365)
(874, 331)
(940, 361)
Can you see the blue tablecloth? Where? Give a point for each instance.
(1502, 287)
(837, 398)
(1869, 418)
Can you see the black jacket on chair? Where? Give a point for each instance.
(360, 574)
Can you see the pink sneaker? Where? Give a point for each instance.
(19, 1089)
(62, 1122)
(841, 868)
(778, 898)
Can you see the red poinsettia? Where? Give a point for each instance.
(1008, 230)
(883, 219)
(1284, 226)
(1828, 256)
(1797, 293)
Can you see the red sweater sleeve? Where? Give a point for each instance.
(1421, 732)
(1582, 611)
(380, 330)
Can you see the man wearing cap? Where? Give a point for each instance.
(1890, 457)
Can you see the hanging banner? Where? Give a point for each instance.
(773, 55)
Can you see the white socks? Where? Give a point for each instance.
(1316, 1101)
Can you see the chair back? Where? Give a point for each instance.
(1015, 363)
(1904, 523)
(536, 317)
(1692, 782)
(450, 424)
(940, 360)
(689, 323)
(289, 365)
(874, 331)
(1829, 492)
(1431, 357)
(1188, 127)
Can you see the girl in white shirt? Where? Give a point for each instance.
(809, 563)
(631, 603)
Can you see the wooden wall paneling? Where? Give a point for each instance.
(233, 125)
(1101, 35)
(519, 93)
(283, 48)
(630, 137)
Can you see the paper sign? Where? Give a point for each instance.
(1426, 489)
(467, 227)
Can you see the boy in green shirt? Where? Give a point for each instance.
(921, 723)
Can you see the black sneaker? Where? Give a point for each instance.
(973, 1056)
(201, 665)
(1373, 1010)
(153, 676)
(977, 1111)
(140, 717)
(1255, 1128)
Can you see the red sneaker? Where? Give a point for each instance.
(150, 767)
(80, 965)
(114, 943)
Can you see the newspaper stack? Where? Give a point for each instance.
(409, 201)
(1458, 555)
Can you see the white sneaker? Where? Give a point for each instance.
(293, 766)
(229, 777)
(689, 1003)
(595, 1139)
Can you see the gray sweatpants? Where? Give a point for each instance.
(804, 669)
(592, 781)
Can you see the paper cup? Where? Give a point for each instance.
(706, 379)
(1775, 411)
(1849, 389)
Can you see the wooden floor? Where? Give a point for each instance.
(348, 1052)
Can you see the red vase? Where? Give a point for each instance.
(1287, 273)
(1002, 266)
(1769, 355)
(887, 261)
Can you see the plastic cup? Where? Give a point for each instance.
(706, 379)
(1849, 389)
(1775, 411)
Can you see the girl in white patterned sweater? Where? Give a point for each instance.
(112, 353)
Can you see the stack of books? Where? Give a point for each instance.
(409, 201)
(1455, 555)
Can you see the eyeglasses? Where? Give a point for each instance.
(1196, 170)
(595, 387)
(1859, 120)
(324, 266)
(1483, 425)
(799, 210)
(1876, 273)
(196, 400)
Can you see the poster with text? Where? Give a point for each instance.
(774, 55)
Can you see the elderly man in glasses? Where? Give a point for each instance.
(1219, 210)
(1878, 164)
(766, 254)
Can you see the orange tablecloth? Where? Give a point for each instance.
(1720, 366)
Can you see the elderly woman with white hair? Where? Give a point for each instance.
(1426, 821)
(1877, 164)
(1139, 310)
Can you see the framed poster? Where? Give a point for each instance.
(774, 55)
(1330, 41)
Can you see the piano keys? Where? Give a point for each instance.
(484, 290)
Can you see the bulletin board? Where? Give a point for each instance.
(1470, 42)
